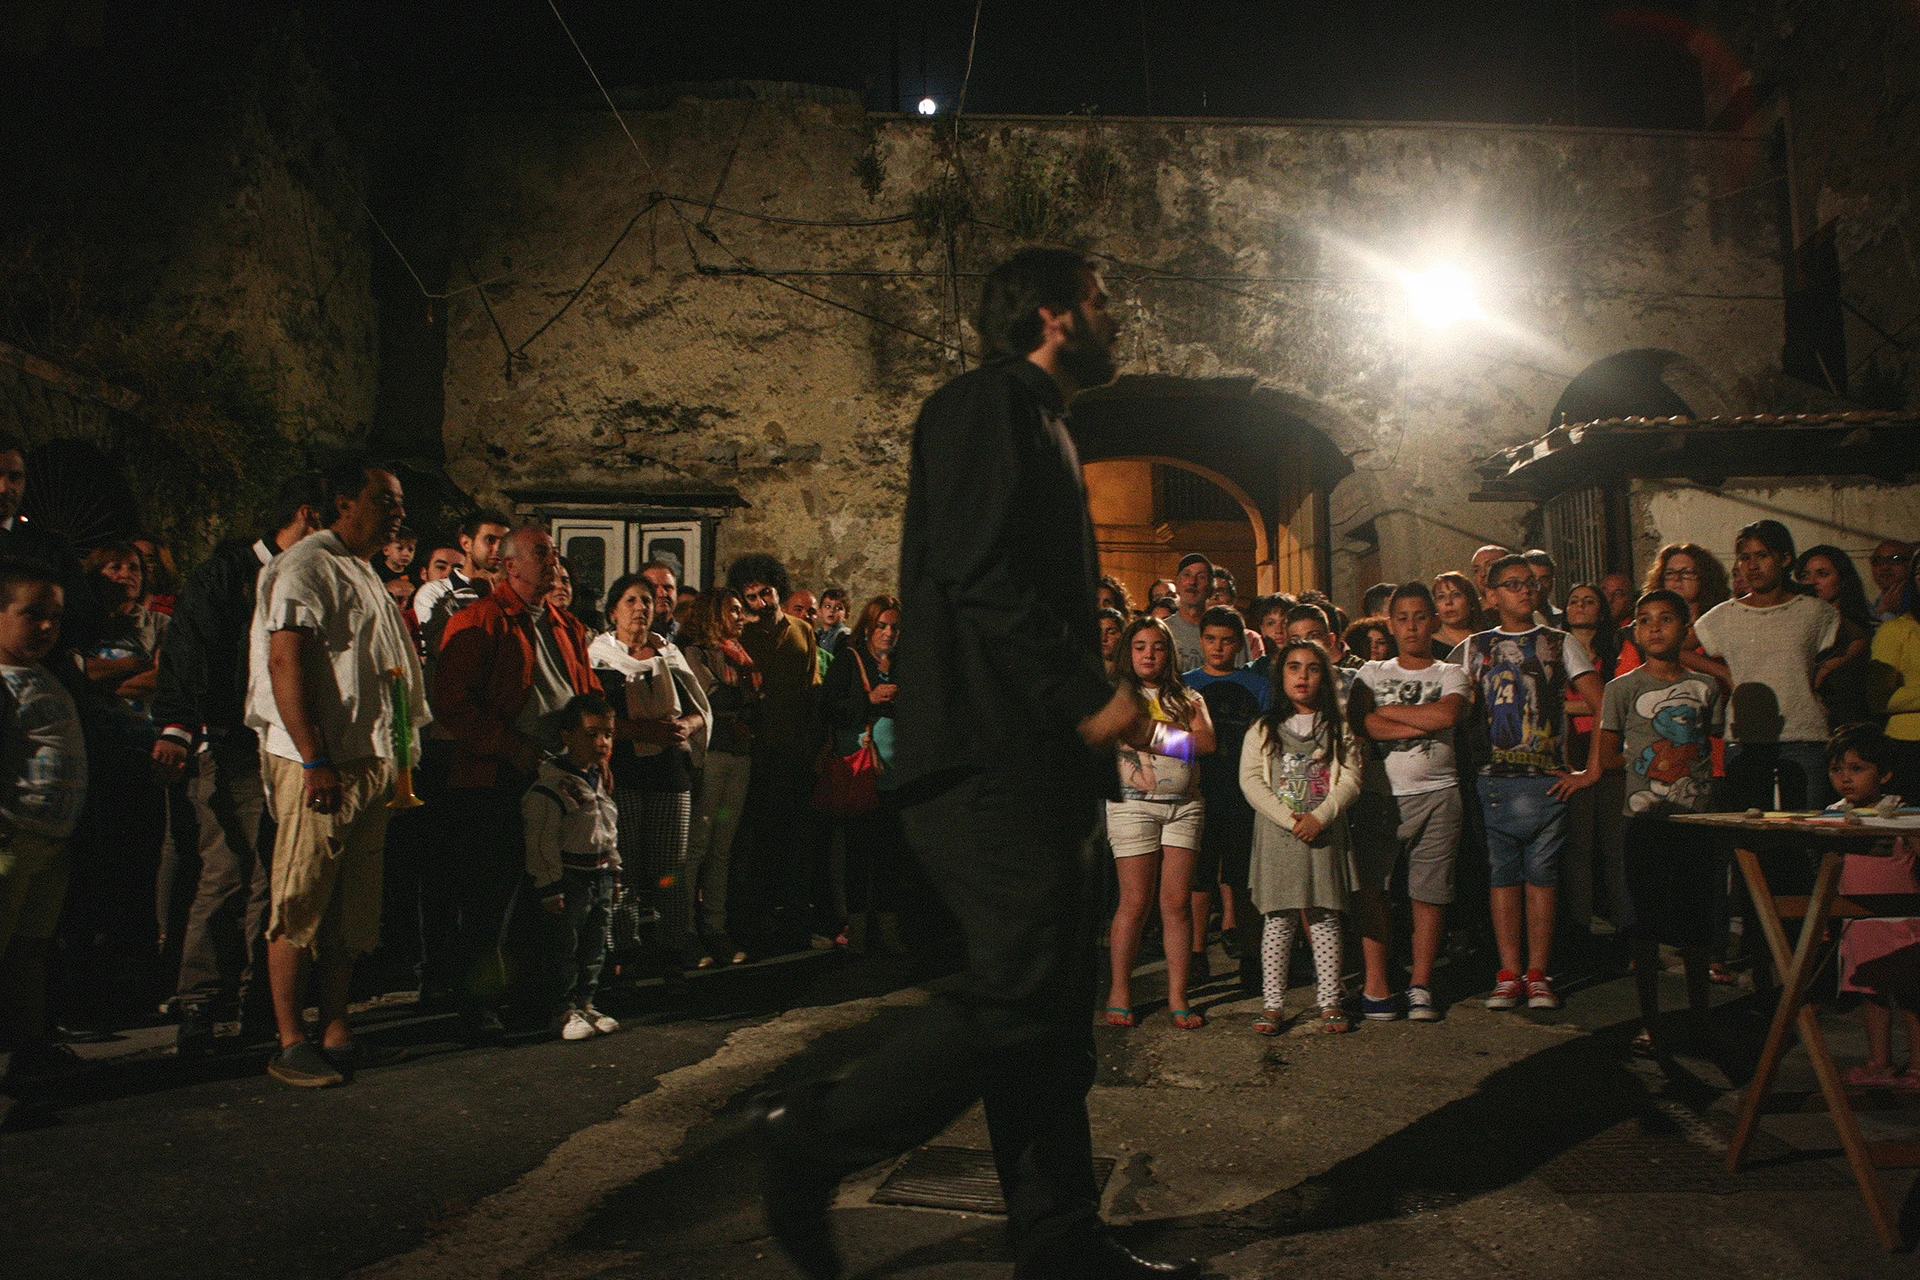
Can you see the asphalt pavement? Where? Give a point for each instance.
(1488, 1144)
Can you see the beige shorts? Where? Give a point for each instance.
(1139, 827)
(33, 886)
(327, 867)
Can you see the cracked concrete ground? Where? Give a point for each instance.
(1487, 1144)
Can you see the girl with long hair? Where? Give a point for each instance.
(1155, 828)
(1300, 770)
(858, 696)
(1841, 678)
(724, 671)
(1596, 815)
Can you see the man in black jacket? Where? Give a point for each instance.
(200, 703)
(1005, 728)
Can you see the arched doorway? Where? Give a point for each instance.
(1175, 465)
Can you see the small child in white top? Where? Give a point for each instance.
(43, 783)
(573, 856)
(1300, 770)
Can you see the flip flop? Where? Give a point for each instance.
(1643, 1045)
(1717, 972)
(1121, 1016)
(1269, 1022)
(1198, 1020)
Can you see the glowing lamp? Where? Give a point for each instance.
(1441, 296)
(928, 106)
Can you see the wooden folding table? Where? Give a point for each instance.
(1832, 841)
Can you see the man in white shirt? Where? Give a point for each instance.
(1764, 647)
(324, 645)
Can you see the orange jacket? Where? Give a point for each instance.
(485, 672)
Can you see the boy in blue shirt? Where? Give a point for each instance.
(1235, 697)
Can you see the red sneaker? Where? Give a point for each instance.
(1507, 991)
(1540, 991)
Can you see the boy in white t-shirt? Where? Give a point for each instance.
(1416, 703)
(1765, 646)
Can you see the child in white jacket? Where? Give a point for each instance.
(1300, 770)
(573, 855)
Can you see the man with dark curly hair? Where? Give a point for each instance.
(778, 876)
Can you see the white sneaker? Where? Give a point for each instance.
(1420, 1005)
(576, 1027)
(605, 1025)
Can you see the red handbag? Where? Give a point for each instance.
(849, 786)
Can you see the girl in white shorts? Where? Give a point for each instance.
(1156, 828)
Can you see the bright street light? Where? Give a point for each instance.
(1441, 296)
(928, 106)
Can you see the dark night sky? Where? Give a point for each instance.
(1553, 61)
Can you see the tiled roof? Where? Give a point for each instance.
(1860, 441)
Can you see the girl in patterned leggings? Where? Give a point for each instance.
(1300, 769)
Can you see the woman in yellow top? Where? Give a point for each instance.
(1895, 677)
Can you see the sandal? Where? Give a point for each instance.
(1121, 1016)
(1187, 1019)
(1717, 972)
(1643, 1045)
(1269, 1022)
(1865, 1077)
(1334, 1021)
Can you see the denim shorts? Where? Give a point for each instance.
(1525, 829)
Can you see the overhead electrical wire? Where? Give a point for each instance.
(950, 273)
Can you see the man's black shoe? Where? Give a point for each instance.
(355, 1056)
(1102, 1258)
(482, 1026)
(797, 1196)
(193, 1038)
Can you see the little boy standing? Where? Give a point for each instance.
(43, 782)
(1235, 697)
(1658, 717)
(1417, 702)
(573, 856)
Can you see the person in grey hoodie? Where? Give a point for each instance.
(573, 856)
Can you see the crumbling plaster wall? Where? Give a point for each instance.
(197, 240)
(1236, 249)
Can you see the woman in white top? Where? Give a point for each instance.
(661, 729)
(1155, 829)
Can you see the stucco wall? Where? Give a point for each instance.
(1852, 516)
(1237, 249)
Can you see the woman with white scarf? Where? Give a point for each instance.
(662, 727)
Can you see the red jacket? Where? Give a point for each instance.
(485, 672)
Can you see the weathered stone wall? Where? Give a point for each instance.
(193, 234)
(1236, 249)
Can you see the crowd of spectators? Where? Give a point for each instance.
(198, 768)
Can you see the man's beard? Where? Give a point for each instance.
(1085, 359)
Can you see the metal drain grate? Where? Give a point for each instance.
(957, 1178)
(1631, 1157)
